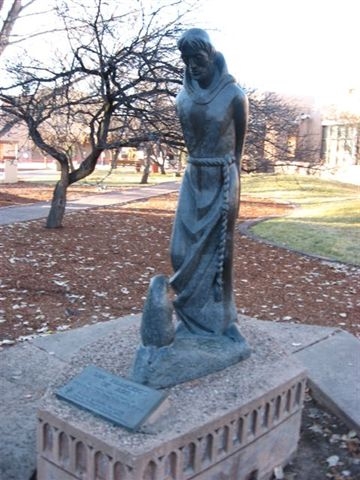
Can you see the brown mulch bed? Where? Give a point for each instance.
(99, 265)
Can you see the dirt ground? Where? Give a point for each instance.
(99, 265)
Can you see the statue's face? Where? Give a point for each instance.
(200, 65)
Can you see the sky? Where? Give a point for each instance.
(308, 47)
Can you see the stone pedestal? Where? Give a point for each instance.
(236, 424)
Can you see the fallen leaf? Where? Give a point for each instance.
(332, 461)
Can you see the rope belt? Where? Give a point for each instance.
(212, 161)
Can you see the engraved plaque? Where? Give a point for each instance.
(116, 399)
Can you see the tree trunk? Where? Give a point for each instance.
(146, 172)
(180, 163)
(58, 203)
(115, 157)
(145, 175)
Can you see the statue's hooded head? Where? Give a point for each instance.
(204, 63)
(195, 40)
(199, 56)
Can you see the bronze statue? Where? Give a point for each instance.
(213, 113)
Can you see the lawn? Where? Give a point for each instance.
(124, 176)
(326, 221)
(103, 176)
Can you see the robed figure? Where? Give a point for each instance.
(205, 338)
(213, 112)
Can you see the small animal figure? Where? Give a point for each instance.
(157, 328)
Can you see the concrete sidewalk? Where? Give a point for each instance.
(38, 210)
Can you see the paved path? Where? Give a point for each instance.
(331, 356)
(37, 210)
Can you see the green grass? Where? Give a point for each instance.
(295, 188)
(125, 176)
(326, 222)
(119, 177)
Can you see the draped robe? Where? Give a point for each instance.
(201, 246)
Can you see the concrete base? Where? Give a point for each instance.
(236, 424)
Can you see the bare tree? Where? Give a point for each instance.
(108, 81)
(9, 22)
(273, 133)
(11, 16)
